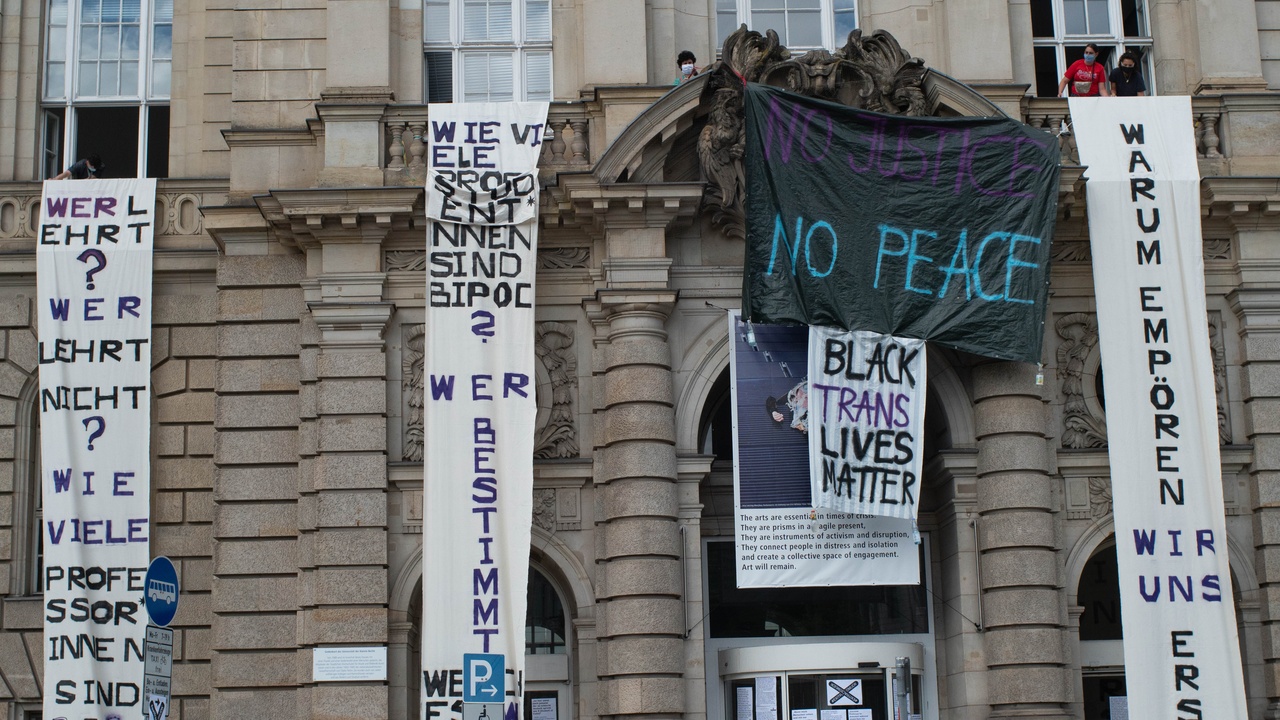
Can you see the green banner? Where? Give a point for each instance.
(931, 228)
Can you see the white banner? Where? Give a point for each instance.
(1182, 654)
(866, 439)
(782, 538)
(480, 402)
(93, 300)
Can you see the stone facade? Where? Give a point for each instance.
(289, 283)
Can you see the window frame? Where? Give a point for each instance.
(829, 37)
(1114, 43)
(520, 48)
(64, 150)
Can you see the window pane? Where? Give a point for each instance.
(1134, 14)
(129, 79)
(131, 11)
(537, 70)
(129, 42)
(162, 11)
(804, 5)
(1073, 15)
(537, 15)
(773, 19)
(768, 4)
(158, 141)
(109, 78)
(501, 77)
(58, 12)
(439, 77)
(90, 11)
(160, 71)
(55, 79)
(486, 20)
(89, 43)
(436, 24)
(162, 43)
(846, 17)
(111, 132)
(726, 23)
(57, 44)
(804, 29)
(1099, 20)
(110, 11)
(109, 45)
(88, 79)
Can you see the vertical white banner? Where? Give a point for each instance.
(93, 301)
(480, 406)
(866, 417)
(1182, 653)
(783, 539)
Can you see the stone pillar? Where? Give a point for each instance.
(1230, 57)
(640, 653)
(343, 504)
(962, 667)
(1018, 545)
(255, 454)
(1259, 311)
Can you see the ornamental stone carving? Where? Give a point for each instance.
(1082, 427)
(872, 73)
(556, 432)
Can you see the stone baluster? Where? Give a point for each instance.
(579, 143)
(417, 148)
(557, 141)
(1211, 141)
(395, 146)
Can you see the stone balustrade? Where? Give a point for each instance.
(1051, 115)
(566, 144)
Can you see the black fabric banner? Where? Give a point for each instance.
(932, 228)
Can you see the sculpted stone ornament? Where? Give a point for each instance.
(872, 73)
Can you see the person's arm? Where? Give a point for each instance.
(1103, 90)
(62, 175)
(1062, 86)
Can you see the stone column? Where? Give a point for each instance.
(640, 638)
(1230, 59)
(1018, 545)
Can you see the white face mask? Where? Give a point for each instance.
(686, 68)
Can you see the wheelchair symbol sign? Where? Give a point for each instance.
(484, 677)
(844, 692)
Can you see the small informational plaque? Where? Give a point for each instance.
(744, 699)
(804, 714)
(349, 664)
(834, 714)
(860, 714)
(543, 708)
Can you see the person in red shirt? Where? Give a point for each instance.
(1086, 77)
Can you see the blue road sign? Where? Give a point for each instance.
(161, 590)
(484, 677)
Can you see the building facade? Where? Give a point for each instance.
(290, 275)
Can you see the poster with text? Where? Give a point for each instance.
(920, 227)
(782, 539)
(1182, 652)
(93, 303)
(480, 406)
(866, 440)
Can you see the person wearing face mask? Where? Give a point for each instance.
(688, 67)
(1126, 80)
(1086, 76)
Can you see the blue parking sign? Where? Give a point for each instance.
(484, 677)
(161, 591)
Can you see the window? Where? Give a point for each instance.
(544, 625)
(487, 50)
(801, 24)
(1061, 29)
(106, 85)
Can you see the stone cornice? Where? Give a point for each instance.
(339, 215)
(579, 201)
(1246, 202)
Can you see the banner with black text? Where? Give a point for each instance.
(480, 406)
(93, 302)
(866, 410)
(1182, 653)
